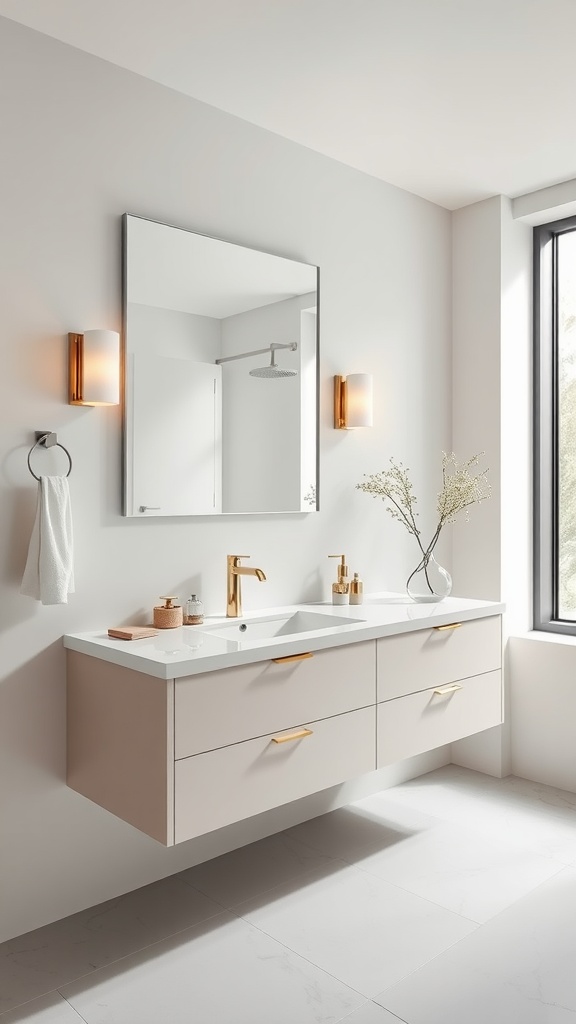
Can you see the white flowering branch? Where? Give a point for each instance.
(461, 488)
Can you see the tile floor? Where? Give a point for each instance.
(448, 900)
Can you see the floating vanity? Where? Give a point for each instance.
(198, 727)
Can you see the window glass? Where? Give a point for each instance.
(566, 436)
(555, 426)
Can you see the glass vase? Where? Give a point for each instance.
(429, 582)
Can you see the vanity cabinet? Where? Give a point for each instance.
(437, 685)
(180, 757)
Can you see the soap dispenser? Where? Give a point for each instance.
(340, 588)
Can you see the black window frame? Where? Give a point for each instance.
(545, 391)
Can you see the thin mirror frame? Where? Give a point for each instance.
(123, 370)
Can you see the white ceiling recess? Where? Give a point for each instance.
(454, 100)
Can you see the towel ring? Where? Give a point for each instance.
(47, 439)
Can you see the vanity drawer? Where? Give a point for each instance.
(217, 708)
(226, 785)
(429, 657)
(422, 721)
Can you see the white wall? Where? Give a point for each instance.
(543, 708)
(476, 389)
(491, 408)
(83, 142)
(477, 423)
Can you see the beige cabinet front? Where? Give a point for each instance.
(225, 785)
(234, 704)
(441, 654)
(430, 718)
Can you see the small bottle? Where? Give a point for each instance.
(194, 611)
(356, 590)
(340, 588)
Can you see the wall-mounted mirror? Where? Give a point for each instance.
(221, 376)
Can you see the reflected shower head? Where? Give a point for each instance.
(272, 370)
(265, 371)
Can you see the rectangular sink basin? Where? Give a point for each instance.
(278, 625)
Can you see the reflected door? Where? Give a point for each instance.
(176, 419)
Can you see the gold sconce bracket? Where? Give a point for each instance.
(339, 402)
(75, 368)
(94, 368)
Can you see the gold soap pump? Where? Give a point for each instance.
(168, 615)
(340, 589)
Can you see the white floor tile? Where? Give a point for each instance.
(517, 969)
(371, 1013)
(396, 816)
(524, 812)
(52, 1009)
(47, 958)
(357, 927)
(251, 870)
(372, 900)
(547, 816)
(224, 971)
(470, 872)
(535, 794)
(450, 793)
(373, 822)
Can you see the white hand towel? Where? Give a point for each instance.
(49, 572)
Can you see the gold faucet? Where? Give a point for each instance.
(233, 591)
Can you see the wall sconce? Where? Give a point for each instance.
(353, 401)
(94, 368)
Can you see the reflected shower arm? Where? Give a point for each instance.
(292, 345)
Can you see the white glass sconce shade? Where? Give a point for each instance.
(353, 401)
(94, 368)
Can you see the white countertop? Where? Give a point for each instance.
(188, 650)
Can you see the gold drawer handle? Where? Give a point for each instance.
(292, 657)
(451, 625)
(300, 735)
(448, 689)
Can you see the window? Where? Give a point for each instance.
(555, 426)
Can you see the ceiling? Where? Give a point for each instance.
(454, 100)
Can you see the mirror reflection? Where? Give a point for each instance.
(221, 376)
